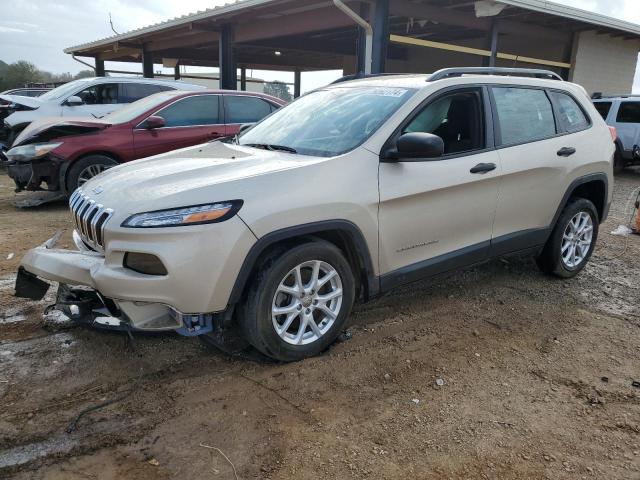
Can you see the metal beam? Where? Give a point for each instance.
(493, 45)
(191, 40)
(243, 79)
(99, 67)
(228, 73)
(380, 36)
(176, 71)
(297, 82)
(147, 63)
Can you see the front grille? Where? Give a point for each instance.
(90, 219)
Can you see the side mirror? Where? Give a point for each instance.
(153, 122)
(417, 145)
(74, 101)
(244, 127)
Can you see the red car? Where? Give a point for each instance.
(66, 153)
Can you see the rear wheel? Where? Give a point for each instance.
(572, 241)
(86, 168)
(618, 162)
(299, 301)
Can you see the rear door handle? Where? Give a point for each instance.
(483, 168)
(566, 151)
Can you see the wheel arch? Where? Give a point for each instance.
(593, 187)
(342, 233)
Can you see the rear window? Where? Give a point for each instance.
(525, 115)
(242, 109)
(571, 115)
(629, 112)
(603, 108)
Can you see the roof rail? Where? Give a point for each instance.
(357, 76)
(600, 96)
(513, 72)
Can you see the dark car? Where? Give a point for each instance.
(64, 154)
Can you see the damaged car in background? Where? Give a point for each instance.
(61, 155)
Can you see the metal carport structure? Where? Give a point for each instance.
(406, 36)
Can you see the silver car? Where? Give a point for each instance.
(622, 113)
(86, 97)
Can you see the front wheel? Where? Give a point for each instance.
(86, 168)
(572, 241)
(299, 301)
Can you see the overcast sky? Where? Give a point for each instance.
(38, 30)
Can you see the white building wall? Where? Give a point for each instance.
(603, 63)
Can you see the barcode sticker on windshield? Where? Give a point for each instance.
(387, 92)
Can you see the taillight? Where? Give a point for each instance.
(614, 133)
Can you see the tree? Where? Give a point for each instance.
(84, 74)
(20, 73)
(278, 89)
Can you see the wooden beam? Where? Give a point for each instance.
(195, 39)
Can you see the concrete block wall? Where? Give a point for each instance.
(602, 63)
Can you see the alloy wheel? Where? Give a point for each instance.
(577, 239)
(90, 172)
(307, 302)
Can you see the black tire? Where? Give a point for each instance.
(255, 316)
(79, 166)
(550, 260)
(618, 162)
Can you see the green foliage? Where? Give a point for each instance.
(278, 89)
(21, 73)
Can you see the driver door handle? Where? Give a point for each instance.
(483, 168)
(566, 151)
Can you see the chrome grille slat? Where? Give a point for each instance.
(90, 219)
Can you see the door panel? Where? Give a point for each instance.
(428, 209)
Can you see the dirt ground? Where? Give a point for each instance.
(537, 379)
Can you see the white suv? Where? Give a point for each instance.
(347, 192)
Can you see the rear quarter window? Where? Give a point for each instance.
(571, 116)
(629, 112)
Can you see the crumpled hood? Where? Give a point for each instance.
(31, 102)
(210, 172)
(58, 127)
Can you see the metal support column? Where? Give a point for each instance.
(380, 36)
(99, 68)
(176, 72)
(147, 63)
(226, 60)
(362, 41)
(297, 82)
(243, 79)
(493, 45)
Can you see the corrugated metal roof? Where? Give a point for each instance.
(573, 13)
(174, 22)
(541, 6)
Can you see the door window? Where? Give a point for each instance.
(136, 91)
(102, 94)
(525, 115)
(456, 118)
(571, 115)
(192, 111)
(629, 112)
(603, 108)
(243, 109)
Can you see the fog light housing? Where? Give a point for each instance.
(144, 263)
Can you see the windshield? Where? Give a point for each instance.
(328, 122)
(135, 109)
(64, 90)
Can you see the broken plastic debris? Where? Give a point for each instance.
(439, 382)
(10, 256)
(622, 231)
(416, 401)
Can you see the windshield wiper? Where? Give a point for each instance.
(266, 146)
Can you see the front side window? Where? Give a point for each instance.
(629, 112)
(603, 108)
(192, 111)
(571, 115)
(329, 122)
(525, 115)
(456, 118)
(102, 94)
(242, 109)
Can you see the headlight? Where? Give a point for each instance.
(25, 153)
(195, 215)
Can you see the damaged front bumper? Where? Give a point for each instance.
(32, 174)
(80, 300)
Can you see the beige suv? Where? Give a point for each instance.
(347, 192)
